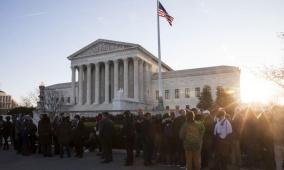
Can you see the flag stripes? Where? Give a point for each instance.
(163, 13)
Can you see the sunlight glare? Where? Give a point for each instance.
(256, 89)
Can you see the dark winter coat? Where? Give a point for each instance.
(128, 131)
(64, 132)
(44, 131)
(106, 130)
(79, 132)
(147, 131)
(7, 130)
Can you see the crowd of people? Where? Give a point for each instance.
(188, 138)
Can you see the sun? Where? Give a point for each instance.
(259, 90)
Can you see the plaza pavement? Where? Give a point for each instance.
(9, 160)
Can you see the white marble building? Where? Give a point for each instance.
(111, 75)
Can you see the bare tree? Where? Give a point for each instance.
(272, 73)
(52, 101)
(31, 99)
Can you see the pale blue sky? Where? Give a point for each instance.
(36, 36)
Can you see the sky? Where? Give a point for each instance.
(36, 36)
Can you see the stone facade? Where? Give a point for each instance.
(6, 102)
(111, 75)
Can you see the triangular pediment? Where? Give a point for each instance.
(101, 46)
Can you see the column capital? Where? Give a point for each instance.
(115, 60)
(141, 61)
(97, 64)
(135, 58)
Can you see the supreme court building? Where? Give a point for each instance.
(110, 75)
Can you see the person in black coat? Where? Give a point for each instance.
(1, 130)
(45, 135)
(128, 133)
(64, 133)
(79, 136)
(7, 132)
(148, 139)
(178, 144)
(106, 134)
(138, 132)
(32, 129)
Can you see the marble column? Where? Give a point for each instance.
(115, 81)
(97, 83)
(136, 80)
(125, 77)
(81, 74)
(89, 81)
(73, 84)
(141, 80)
(149, 79)
(147, 82)
(106, 82)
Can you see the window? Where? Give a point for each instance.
(177, 107)
(186, 93)
(157, 94)
(176, 93)
(62, 99)
(197, 92)
(167, 94)
(167, 107)
(68, 99)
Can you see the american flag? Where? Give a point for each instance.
(163, 13)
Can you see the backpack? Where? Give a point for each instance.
(193, 137)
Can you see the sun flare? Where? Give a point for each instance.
(259, 90)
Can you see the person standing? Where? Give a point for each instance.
(128, 135)
(147, 128)
(57, 120)
(79, 136)
(191, 134)
(179, 150)
(32, 129)
(207, 144)
(7, 131)
(64, 133)
(167, 139)
(222, 132)
(1, 131)
(44, 132)
(138, 132)
(106, 135)
(278, 134)
(237, 124)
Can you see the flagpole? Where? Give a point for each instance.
(160, 104)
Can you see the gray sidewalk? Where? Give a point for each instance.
(9, 160)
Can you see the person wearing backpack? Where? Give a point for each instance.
(222, 132)
(191, 134)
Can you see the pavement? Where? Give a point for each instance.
(9, 160)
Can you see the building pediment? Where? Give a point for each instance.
(101, 46)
